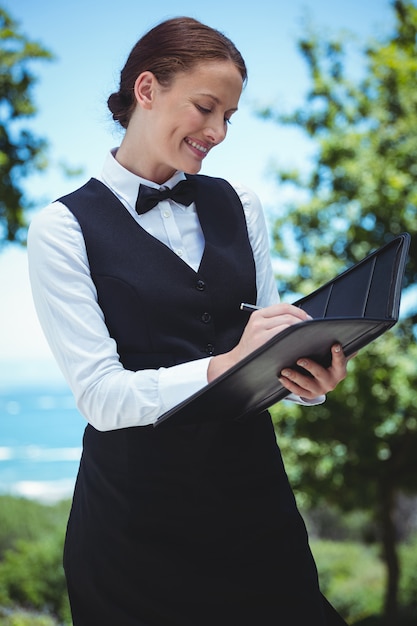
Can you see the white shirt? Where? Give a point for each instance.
(65, 298)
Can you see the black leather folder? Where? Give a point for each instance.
(353, 309)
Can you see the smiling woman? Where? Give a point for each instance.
(184, 97)
(138, 278)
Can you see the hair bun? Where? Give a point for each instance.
(119, 108)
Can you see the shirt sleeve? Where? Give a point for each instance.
(267, 292)
(65, 298)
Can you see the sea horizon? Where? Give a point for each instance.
(40, 433)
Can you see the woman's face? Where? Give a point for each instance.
(184, 121)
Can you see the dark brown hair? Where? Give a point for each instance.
(173, 46)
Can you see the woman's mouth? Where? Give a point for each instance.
(200, 149)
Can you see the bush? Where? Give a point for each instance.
(24, 618)
(31, 572)
(28, 520)
(351, 577)
(31, 575)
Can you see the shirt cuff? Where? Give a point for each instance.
(303, 401)
(182, 381)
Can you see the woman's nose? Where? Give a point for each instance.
(216, 132)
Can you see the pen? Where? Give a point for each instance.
(249, 307)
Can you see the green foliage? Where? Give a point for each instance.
(21, 152)
(351, 577)
(27, 520)
(31, 572)
(26, 618)
(31, 575)
(408, 583)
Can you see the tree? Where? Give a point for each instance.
(21, 152)
(358, 449)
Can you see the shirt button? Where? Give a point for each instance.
(179, 252)
(206, 318)
(167, 214)
(200, 285)
(209, 349)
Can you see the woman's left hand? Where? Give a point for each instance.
(321, 379)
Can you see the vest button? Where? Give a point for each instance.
(200, 285)
(206, 318)
(209, 349)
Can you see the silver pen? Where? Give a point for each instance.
(249, 307)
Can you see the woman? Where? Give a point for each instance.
(139, 295)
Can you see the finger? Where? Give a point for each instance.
(337, 352)
(284, 308)
(321, 379)
(260, 325)
(338, 363)
(308, 389)
(284, 321)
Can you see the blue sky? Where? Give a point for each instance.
(91, 41)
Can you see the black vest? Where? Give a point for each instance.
(190, 524)
(159, 310)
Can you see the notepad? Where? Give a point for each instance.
(353, 309)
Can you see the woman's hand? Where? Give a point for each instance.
(322, 379)
(265, 324)
(262, 326)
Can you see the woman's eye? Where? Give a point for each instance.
(206, 111)
(203, 109)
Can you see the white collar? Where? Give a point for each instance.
(125, 184)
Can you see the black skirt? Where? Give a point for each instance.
(189, 526)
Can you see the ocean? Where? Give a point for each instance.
(40, 442)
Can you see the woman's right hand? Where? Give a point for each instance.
(262, 326)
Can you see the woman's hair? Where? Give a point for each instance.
(176, 45)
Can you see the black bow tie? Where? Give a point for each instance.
(148, 197)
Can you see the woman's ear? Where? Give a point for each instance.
(144, 89)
